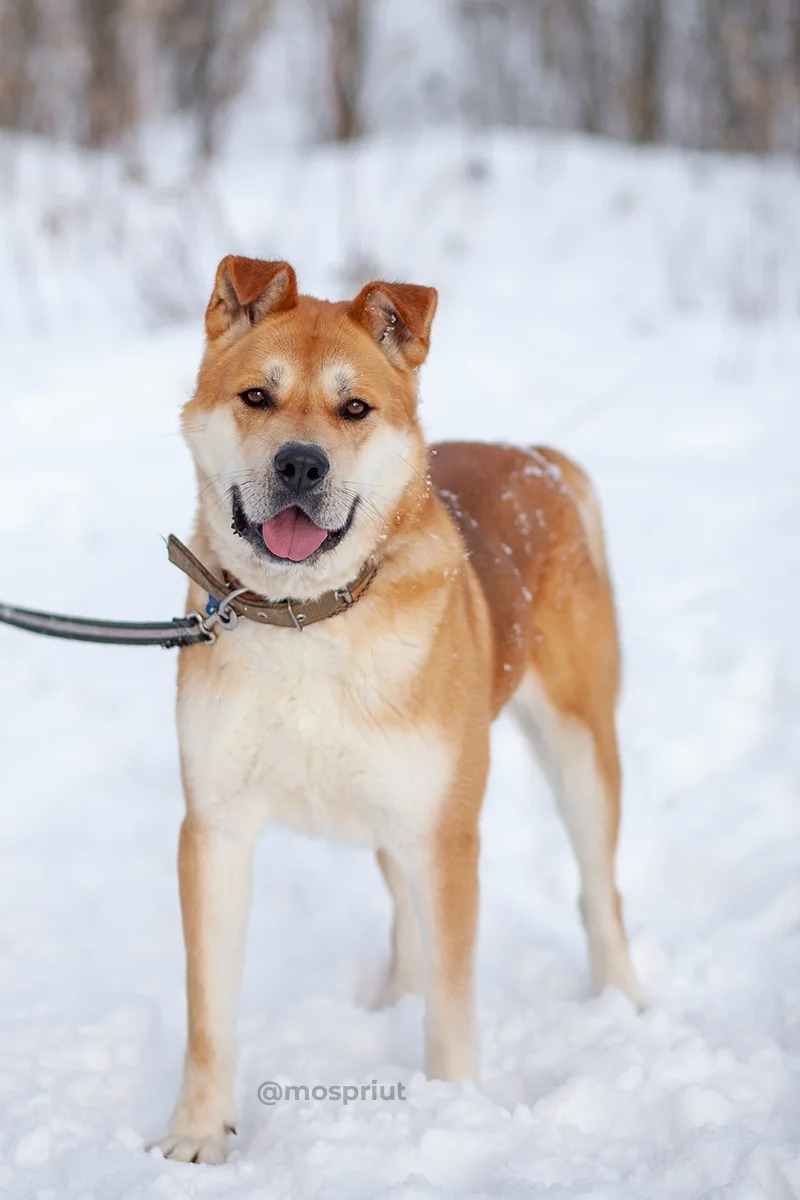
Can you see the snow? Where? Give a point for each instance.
(558, 226)
(640, 312)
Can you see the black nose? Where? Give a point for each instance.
(301, 467)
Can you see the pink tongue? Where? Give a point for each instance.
(292, 535)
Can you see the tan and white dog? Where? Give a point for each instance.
(372, 726)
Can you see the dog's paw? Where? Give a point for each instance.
(627, 985)
(194, 1146)
(393, 990)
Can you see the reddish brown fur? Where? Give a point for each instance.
(550, 606)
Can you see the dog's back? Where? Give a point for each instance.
(534, 535)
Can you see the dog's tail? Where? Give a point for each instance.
(582, 490)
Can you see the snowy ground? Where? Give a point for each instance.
(630, 314)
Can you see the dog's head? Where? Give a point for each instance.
(303, 425)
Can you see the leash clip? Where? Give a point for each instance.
(218, 613)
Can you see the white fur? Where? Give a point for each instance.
(279, 374)
(407, 966)
(592, 521)
(339, 377)
(298, 739)
(565, 749)
(217, 447)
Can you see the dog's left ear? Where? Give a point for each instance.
(398, 316)
(245, 291)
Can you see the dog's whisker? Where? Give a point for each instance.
(212, 480)
(358, 484)
(403, 458)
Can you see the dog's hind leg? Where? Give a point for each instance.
(567, 701)
(406, 967)
(581, 766)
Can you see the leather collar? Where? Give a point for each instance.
(288, 613)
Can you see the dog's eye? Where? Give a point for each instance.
(255, 398)
(355, 410)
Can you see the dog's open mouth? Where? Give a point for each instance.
(291, 535)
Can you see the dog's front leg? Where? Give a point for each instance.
(447, 891)
(215, 868)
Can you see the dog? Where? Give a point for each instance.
(417, 591)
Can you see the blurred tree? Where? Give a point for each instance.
(108, 106)
(94, 70)
(719, 74)
(645, 86)
(19, 35)
(210, 43)
(344, 24)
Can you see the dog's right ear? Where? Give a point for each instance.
(245, 291)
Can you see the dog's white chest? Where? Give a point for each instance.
(302, 730)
